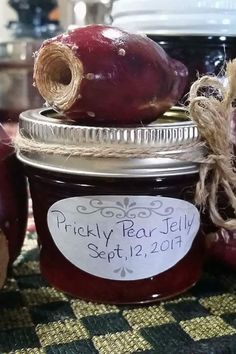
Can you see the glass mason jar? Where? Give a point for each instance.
(201, 34)
(16, 76)
(115, 229)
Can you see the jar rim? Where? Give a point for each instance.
(174, 133)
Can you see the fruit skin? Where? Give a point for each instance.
(4, 258)
(221, 247)
(127, 78)
(13, 197)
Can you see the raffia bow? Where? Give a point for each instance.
(211, 108)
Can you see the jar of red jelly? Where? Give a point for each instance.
(13, 197)
(201, 34)
(115, 229)
(16, 70)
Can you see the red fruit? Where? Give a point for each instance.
(104, 74)
(4, 258)
(222, 247)
(13, 197)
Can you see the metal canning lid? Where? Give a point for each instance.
(44, 126)
(178, 17)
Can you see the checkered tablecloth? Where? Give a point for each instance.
(35, 318)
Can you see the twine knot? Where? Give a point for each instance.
(211, 108)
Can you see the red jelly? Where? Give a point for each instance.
(117, 229)
(13, 197)
(201, 34)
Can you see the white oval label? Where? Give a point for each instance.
(123, 237)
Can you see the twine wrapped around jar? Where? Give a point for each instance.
(211, 108)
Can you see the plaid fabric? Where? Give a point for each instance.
(37, 319)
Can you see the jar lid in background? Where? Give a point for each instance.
(176, 17)
(171, 133)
